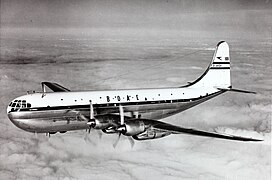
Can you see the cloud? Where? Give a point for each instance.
(77, 155)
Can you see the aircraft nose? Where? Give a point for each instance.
(8, 109)
(15, 120)
(11, 118)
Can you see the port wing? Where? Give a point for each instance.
(160, 126)
(55, 87)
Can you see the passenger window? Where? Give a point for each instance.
(13, 105)
(10, 103)
(28, 105)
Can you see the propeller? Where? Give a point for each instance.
(129, 138)
(122, 121)
(90, 121)
(122, 125)
(122, 128)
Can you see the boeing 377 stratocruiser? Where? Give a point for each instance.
(133, 113)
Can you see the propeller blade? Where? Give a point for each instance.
(121, 112)
(131, 140)
(116, 142)
(91, 110)
(88, 130)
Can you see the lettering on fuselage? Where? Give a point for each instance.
(108, 98)
(128, 97)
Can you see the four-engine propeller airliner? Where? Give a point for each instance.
(133, 113)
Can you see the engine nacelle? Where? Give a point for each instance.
(103, 122)
(134, 127)
(109, 130)
(150, 134)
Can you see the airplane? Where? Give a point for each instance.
(135, 113)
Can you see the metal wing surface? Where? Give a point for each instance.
(161, 126)
(55, 87)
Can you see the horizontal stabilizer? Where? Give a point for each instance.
(237, 90)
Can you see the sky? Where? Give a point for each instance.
(236, 18)
(124, 13)
(118, 44)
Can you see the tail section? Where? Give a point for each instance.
(218, 73)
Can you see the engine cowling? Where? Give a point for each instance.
(103, 122)
(133, 127)
(98, 124)
(150, 134)
(109, 130)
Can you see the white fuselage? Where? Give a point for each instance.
(64, 111)
(57, 111)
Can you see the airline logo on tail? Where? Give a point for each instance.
(222, 60)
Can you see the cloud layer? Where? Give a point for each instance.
(112, 58)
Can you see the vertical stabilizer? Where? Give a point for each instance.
(218, 73)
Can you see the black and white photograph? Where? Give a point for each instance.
(135, 89)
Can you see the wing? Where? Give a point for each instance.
(161, 126)
(55, 87)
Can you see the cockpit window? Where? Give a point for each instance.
(19, 104)
(23, 104)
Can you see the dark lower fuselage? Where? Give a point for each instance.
(65, 118)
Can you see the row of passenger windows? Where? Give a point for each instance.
(20, 104)
(128, 98)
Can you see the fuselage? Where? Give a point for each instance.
(63, 110)
(57, 111)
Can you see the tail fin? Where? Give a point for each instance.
(218, 73)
